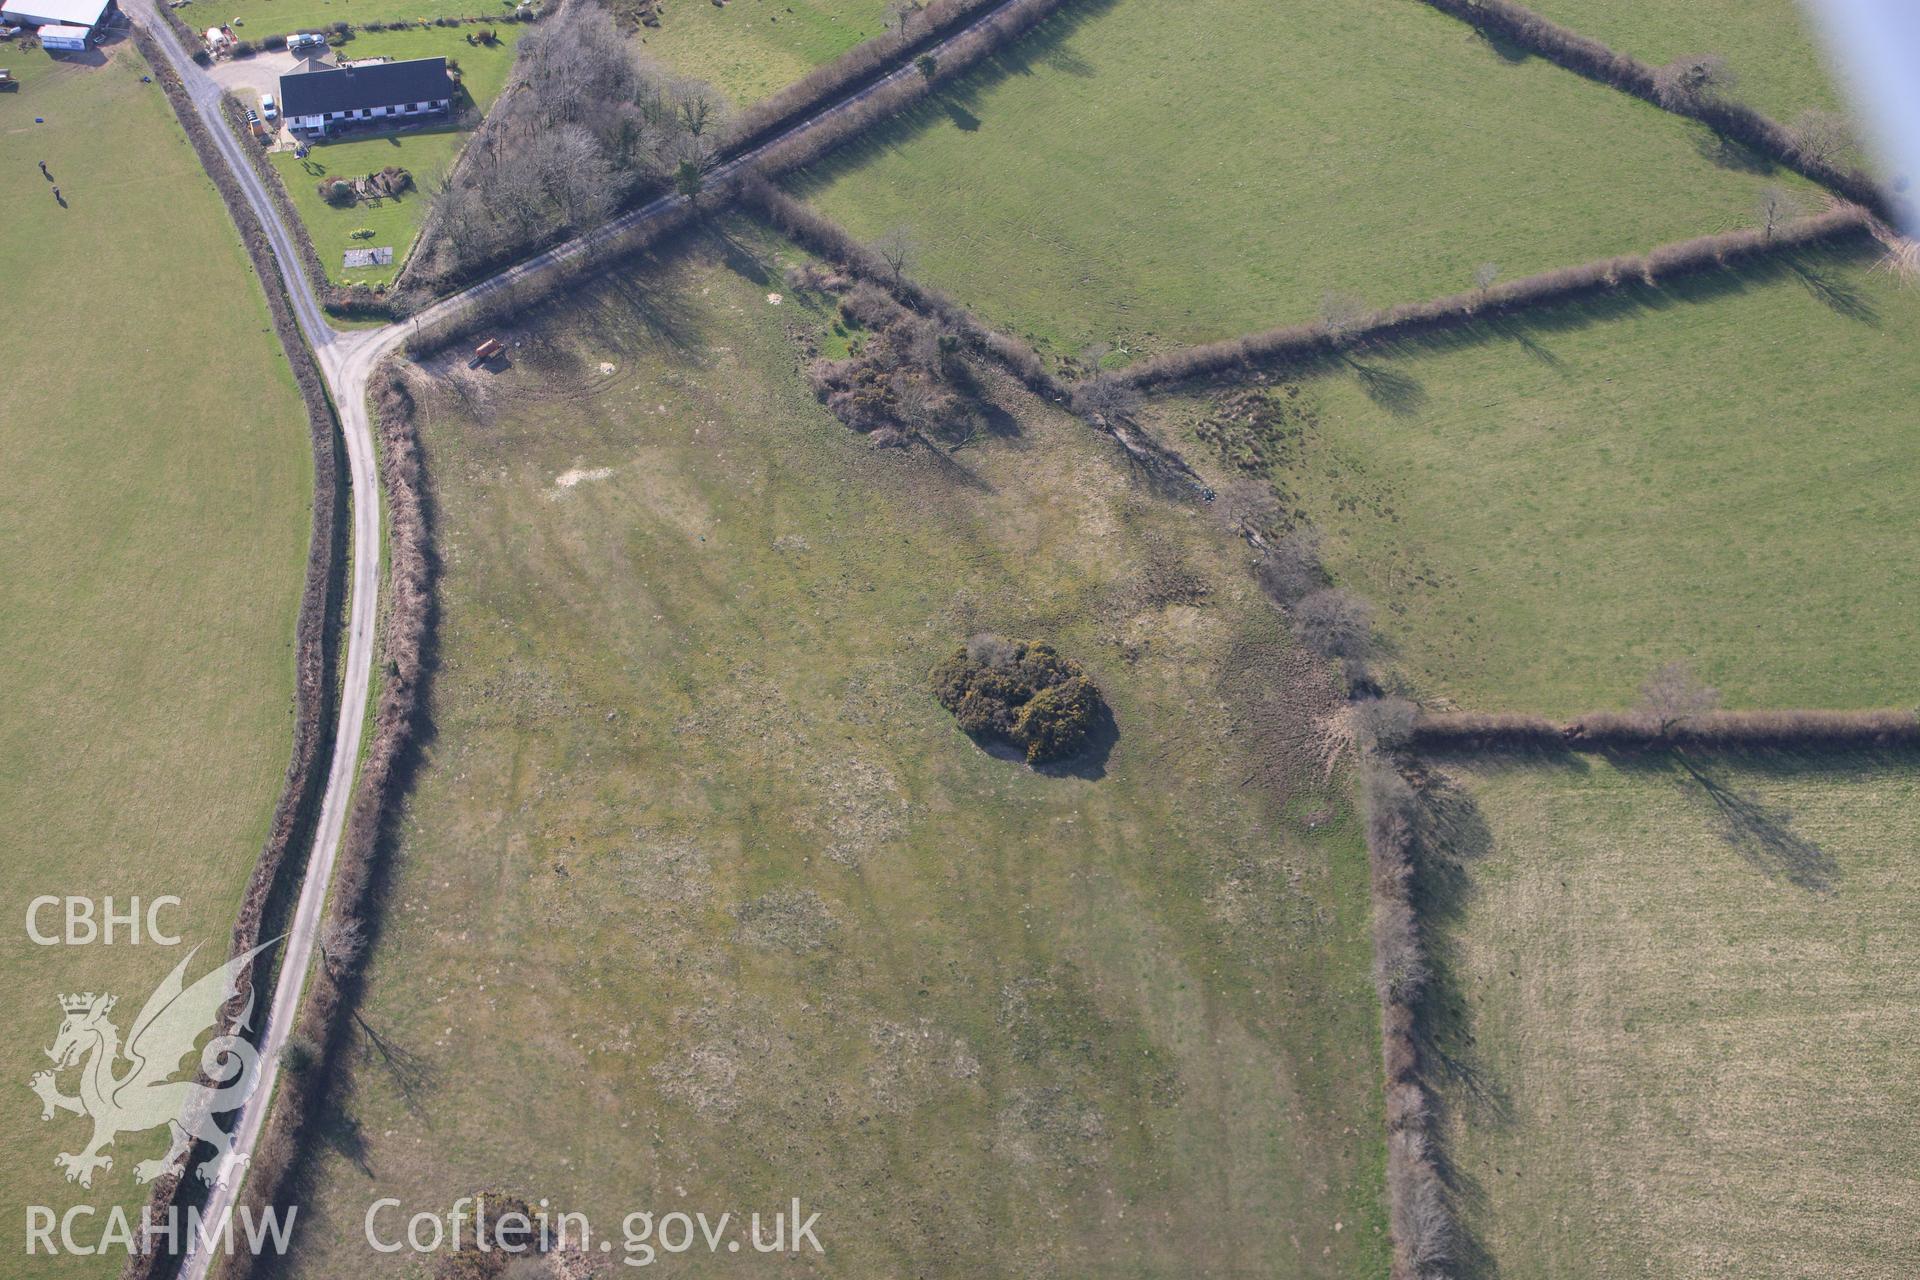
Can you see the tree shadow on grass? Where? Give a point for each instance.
(411, 1075)
(1833, 291)
(1761, 833)
(1453, 837)
(1725, 153)
(1399, 393)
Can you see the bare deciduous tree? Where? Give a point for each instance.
(1820, 136)
(1335, 624)
(1107, 399)
(895, 248)
(1484, 275)
(586, 124)
(1248, 506)
(342, 943)
(1776, 205)
(1673, 695)
(1693, 79)
(901, 13)
(1291, 570)
(1342, 313)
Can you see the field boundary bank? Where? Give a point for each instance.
(1595, 60)
(1492, 732)
(1421, 1220)
(1316, 340)
(385, 771)
(322, 592)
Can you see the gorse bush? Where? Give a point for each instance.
(1022, 692)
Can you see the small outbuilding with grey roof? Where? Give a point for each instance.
(329, 100)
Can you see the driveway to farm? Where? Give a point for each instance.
(347, 360)
(248, 78)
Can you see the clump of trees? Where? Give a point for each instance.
(588, 125)
(906, 382)
(1022, 692)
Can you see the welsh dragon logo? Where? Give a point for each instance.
(145, 1095)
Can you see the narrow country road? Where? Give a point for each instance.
(347, 360)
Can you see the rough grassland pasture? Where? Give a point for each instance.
(1089, 186)
(154, 515)
(1769, 44)
(1545, 510)
(702, 902)
(428, 154)
(749, 48)
(1682, 1054)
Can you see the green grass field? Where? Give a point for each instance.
(1682, 1054)
(154, 510)
(1545, 512)
(1086, 187)
(1768, 43)
(702, 902)
(749, 48)
(428, 154)
(258, 19)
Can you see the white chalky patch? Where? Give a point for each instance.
(568, 479)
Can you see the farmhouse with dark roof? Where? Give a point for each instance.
(336, 98)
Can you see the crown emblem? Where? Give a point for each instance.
(80, 1004)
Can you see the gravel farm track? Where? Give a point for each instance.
(347, 360)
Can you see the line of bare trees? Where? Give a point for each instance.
(587, 125)
(320, 1028)
(1696, 86)
(1345, 323)
(314, 691)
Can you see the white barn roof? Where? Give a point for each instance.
(45, 13)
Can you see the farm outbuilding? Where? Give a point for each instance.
(65, 39)
(87, 15)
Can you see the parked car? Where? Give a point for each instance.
(267, 109)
